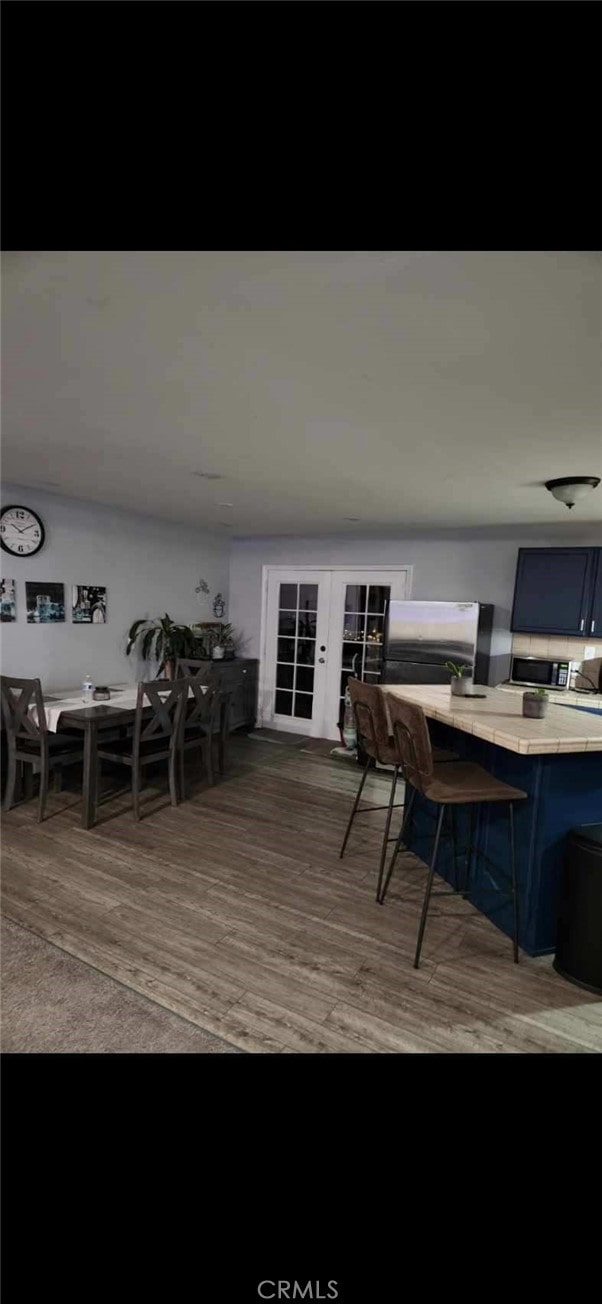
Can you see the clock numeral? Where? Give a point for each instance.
(20, 516)
(20, 548)
(36, 534)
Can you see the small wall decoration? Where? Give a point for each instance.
(8, 601)
(88, 604)
(219, 606)
(45, 602)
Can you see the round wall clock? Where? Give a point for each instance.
(21, 531)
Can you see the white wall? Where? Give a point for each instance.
(469, 565)
(148, 566)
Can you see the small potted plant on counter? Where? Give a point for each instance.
(223, 643)
(535, 703)
(461, 679)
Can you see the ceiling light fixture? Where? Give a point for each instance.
(351, 518)
(208, 475)
(225, 504)
(572, 487)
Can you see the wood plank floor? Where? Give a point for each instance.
(235, 911)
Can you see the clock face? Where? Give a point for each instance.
(21, 531)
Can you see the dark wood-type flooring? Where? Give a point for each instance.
(235, 911)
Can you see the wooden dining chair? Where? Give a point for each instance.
(198, 725)
(189, 668)
(29, 741)
(160, 707)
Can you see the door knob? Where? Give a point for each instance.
(321, 660)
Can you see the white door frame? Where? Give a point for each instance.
(267, 570)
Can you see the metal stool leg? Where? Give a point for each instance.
(407, 815)
(355, 806)
(513, 874)
(469, 852)
(386, 832)
(429, 886)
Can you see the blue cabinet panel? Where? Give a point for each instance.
(595, 623)
(554, 590)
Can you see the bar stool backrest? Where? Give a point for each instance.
(18, 697)
(412, 741)
(370, 718)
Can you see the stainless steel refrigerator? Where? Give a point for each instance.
(421, 636)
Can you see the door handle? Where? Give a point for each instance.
(582, 625)
(593, 627)
(321, 660)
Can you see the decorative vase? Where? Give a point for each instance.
(461, 686)
(534, 705)
(218, 653)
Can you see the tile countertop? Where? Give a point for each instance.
(498, 718)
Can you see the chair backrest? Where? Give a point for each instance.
(206, 702)
(370, 718)
(19, 696)
(167, 699)
(412, 741)
(187, 668)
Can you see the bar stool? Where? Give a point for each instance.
(461, 784)
(373, 731)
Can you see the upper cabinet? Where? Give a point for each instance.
(595, 625)
(558, 591)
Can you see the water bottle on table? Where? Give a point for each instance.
(87, 689)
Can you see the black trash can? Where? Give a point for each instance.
(579, 941)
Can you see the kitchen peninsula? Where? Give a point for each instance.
(557, 761)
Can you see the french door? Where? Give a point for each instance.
(320, 626)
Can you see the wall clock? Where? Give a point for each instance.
(21, 531)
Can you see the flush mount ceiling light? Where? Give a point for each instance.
(208, 475)
(571, 488)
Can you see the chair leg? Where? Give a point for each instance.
(27, 780)
(514, 883)
(136, 790)
(43, 784)
(429, 887)
(57, 779)
(454, 836)
(208, 759)
(401, 841)
(381, 868)
(355, 806)
(11, 779)
(182, 775)
(221, 752)
(173, 785)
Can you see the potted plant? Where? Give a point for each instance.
(162, 640)
(223, 642)
(535, 703)
(461, 679)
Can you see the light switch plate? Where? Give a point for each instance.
(589, 653)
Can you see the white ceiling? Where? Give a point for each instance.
(404, 389)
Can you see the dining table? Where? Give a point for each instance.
(66, 711)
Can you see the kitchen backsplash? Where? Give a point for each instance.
(544, 645)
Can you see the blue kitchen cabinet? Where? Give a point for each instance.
(555, 591)
(595, 624)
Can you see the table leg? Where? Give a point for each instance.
(90, 774)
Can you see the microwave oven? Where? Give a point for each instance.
(540, 672)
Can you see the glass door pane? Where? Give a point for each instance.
(362, 634)
(296, 650)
